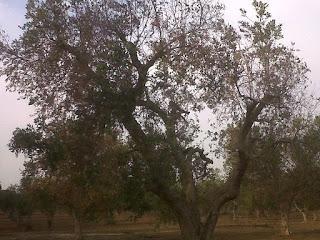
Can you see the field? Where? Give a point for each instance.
(145, 228)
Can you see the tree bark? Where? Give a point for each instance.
(197, 231)
(188, 230)
(210, 225)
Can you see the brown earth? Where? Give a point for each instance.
(146, 228)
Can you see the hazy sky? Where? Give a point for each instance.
(13, 113)
(300, 21)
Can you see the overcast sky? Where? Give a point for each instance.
(300, 21)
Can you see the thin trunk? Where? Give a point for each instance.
(50, 217)
(314, 216)
(257, 213)
(28, 224)
(302, 212)
(77, 226)
(19, 222)
(234, 210)
(266, 213)
(234, 214)
(24, 223)
(284, 226)
(304, 215)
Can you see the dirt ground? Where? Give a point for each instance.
(234, 233)
(144, 229)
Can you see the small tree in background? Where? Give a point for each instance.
(68, 167)
(284, 170)
(42, 197)
(17, 206)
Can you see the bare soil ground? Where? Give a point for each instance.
(244, 228)
(234, 234)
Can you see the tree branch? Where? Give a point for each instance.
(155, 108)
(232, 186)
(78, 54)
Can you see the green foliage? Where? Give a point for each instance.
(76, 167)
(26, 140)
(40, 194)
(284, 169)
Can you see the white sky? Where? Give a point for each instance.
(300, 21)
(13, 113)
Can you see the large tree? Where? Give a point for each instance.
(147, 68)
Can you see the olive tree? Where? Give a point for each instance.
(147, 69)
(284, 170)
(39, 192)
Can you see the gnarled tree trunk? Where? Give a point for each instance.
(184, 203)
(191, 230)
(188, 230)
